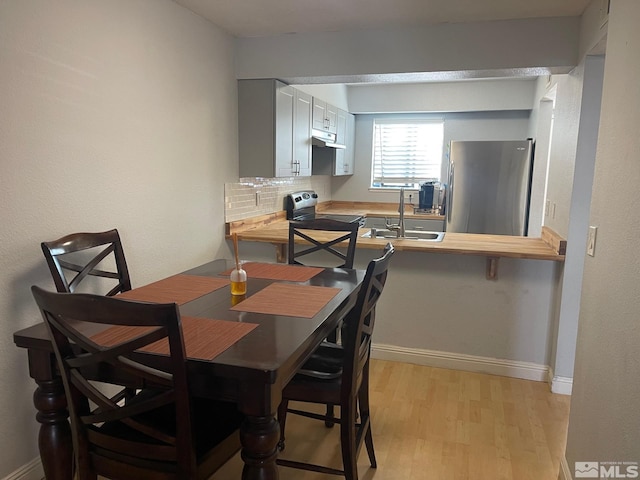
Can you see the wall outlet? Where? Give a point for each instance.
(553, 210)
(591, 241)
(547, 207)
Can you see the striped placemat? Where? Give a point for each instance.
(288, 299)
(178, 288)
(278, 271)
(204, 338)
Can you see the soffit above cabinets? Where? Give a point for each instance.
(255, 18)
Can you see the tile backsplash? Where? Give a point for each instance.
(253, 196)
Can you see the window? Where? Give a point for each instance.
(406, 152)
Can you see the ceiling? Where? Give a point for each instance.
(254, 18)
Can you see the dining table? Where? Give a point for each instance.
(243, 349)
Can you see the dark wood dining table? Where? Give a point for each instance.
(252, 372)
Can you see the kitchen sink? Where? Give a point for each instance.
(408, 235)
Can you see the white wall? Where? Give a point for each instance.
(604, 424)
(462, 96)
(444, 303)
(579, 217)
(447, 51)
(114, 114)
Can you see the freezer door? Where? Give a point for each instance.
(489, 187)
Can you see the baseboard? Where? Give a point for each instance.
(565, 472)
(31, 471)
(459, 361)
(560, 385)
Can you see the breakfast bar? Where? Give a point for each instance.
(273, 228)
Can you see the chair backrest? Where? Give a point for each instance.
(323, 234)
(73, 253)
(359, 322)
(81, 362)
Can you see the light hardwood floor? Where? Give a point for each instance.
(438, 424)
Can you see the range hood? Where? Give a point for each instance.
(320, 138)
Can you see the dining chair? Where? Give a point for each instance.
(323, 227)
(320, 381)
(161, 433)
(324, 234)
(82, 253)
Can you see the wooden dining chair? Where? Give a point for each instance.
(328, 233)
(161, 433)
(82, 253)
(348, 385)
(324, 234)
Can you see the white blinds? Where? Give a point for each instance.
(406, 152)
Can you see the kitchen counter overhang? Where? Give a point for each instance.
(453, 243)
(274, 228)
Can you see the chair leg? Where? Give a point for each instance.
(330, 415)
(282, 418)
(365, 415)
(348, 440)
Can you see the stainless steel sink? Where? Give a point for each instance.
(408, 235)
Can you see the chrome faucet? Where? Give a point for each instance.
(399, 227)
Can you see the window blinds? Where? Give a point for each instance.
(406, 152)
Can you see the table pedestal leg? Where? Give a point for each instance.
(54, 440)
(259, 437)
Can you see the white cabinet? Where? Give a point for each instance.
(274, 129)
(343, 160)
(325, 116)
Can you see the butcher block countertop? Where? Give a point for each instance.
(274, 228)
(371, 209)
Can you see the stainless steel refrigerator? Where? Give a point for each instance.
(489, 187)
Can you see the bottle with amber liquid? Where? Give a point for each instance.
(238, 281)
(238, 275)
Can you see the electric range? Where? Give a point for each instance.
(302, 206)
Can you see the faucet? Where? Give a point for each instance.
(399, 227)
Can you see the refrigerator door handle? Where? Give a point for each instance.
(450, 193)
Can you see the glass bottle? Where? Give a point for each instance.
(238, 281)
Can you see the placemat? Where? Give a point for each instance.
(204, 338)
(288, 299)
(178, 288)
(278, 271)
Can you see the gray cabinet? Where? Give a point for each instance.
(274, 129)
(345, 134)
(325, 116)
(302, 111)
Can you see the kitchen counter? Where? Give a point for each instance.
(277, 232)
(493, 247)
(371, 209)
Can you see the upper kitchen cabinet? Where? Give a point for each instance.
(302, 111)
(274, 129)
(345, 135)
(325, 116)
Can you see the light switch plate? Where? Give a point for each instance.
(591, 241)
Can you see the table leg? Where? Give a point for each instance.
(259, 437)
(54, 440)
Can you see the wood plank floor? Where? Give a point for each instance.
(438, 424)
